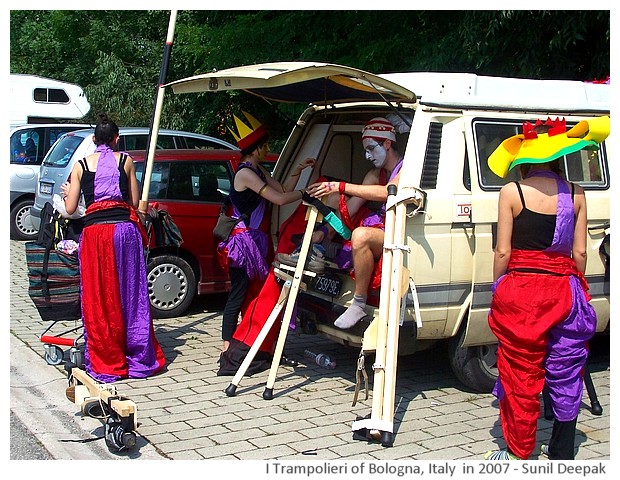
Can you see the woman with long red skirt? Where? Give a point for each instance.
(118, 328)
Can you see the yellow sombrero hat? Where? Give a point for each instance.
(532, 147)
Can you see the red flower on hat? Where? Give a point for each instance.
(557, 126)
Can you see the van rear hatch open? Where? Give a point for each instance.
(304, 82)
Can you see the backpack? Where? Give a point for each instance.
(54, 227)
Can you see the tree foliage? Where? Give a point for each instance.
(116, 56)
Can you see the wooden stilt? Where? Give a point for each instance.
(374, 424)
(288, 295)
(394, 285)
(290, 302)
(231, 390)
(393, 325)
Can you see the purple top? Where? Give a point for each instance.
(107, 176)
(565, 216)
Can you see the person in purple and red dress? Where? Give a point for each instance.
(116, 313)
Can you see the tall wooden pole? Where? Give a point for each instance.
(159, 101)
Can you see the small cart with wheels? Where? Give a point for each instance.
(54, 288)
(54, 355)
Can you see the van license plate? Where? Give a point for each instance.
(328, 285)
(45, 189)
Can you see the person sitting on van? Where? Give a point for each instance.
(366, 245)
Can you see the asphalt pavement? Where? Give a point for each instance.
(184, 414)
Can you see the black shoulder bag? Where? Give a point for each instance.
(226, 224)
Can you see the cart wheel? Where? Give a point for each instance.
(53, 355)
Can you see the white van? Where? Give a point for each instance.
(457, 120)
(36, 99)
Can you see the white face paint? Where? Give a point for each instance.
(375, 152)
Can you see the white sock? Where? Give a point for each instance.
(353, 314)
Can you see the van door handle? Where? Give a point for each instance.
(605, 226)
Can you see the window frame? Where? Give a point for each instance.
(482, 169)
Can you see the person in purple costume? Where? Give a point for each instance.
(247, 250)
(118, 328)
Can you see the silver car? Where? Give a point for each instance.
(71, 147)
(28, 145)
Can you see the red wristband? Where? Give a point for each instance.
(341, 186)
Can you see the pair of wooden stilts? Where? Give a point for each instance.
(286, 301)
(394, 284)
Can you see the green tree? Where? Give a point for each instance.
(116, 56)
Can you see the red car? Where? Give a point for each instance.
(191, 186)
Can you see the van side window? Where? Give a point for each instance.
(586, 167)
(487, 137)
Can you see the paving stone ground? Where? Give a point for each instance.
(184, 413)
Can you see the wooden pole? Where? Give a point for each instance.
(159, 102)
(384, 304)
(393, 324)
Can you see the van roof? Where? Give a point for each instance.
(325, 84)
(477, 91)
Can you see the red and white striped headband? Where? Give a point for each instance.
(379, 128)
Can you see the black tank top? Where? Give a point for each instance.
(88, 180)
(533, 230)
(246, 200)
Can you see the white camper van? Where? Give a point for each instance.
(35, 99)
(456, 121)
(39, 110)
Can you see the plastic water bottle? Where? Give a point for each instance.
(320, 359)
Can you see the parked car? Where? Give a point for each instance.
(28, 145)
(455, 121)
(191, 186)
(72, 146)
